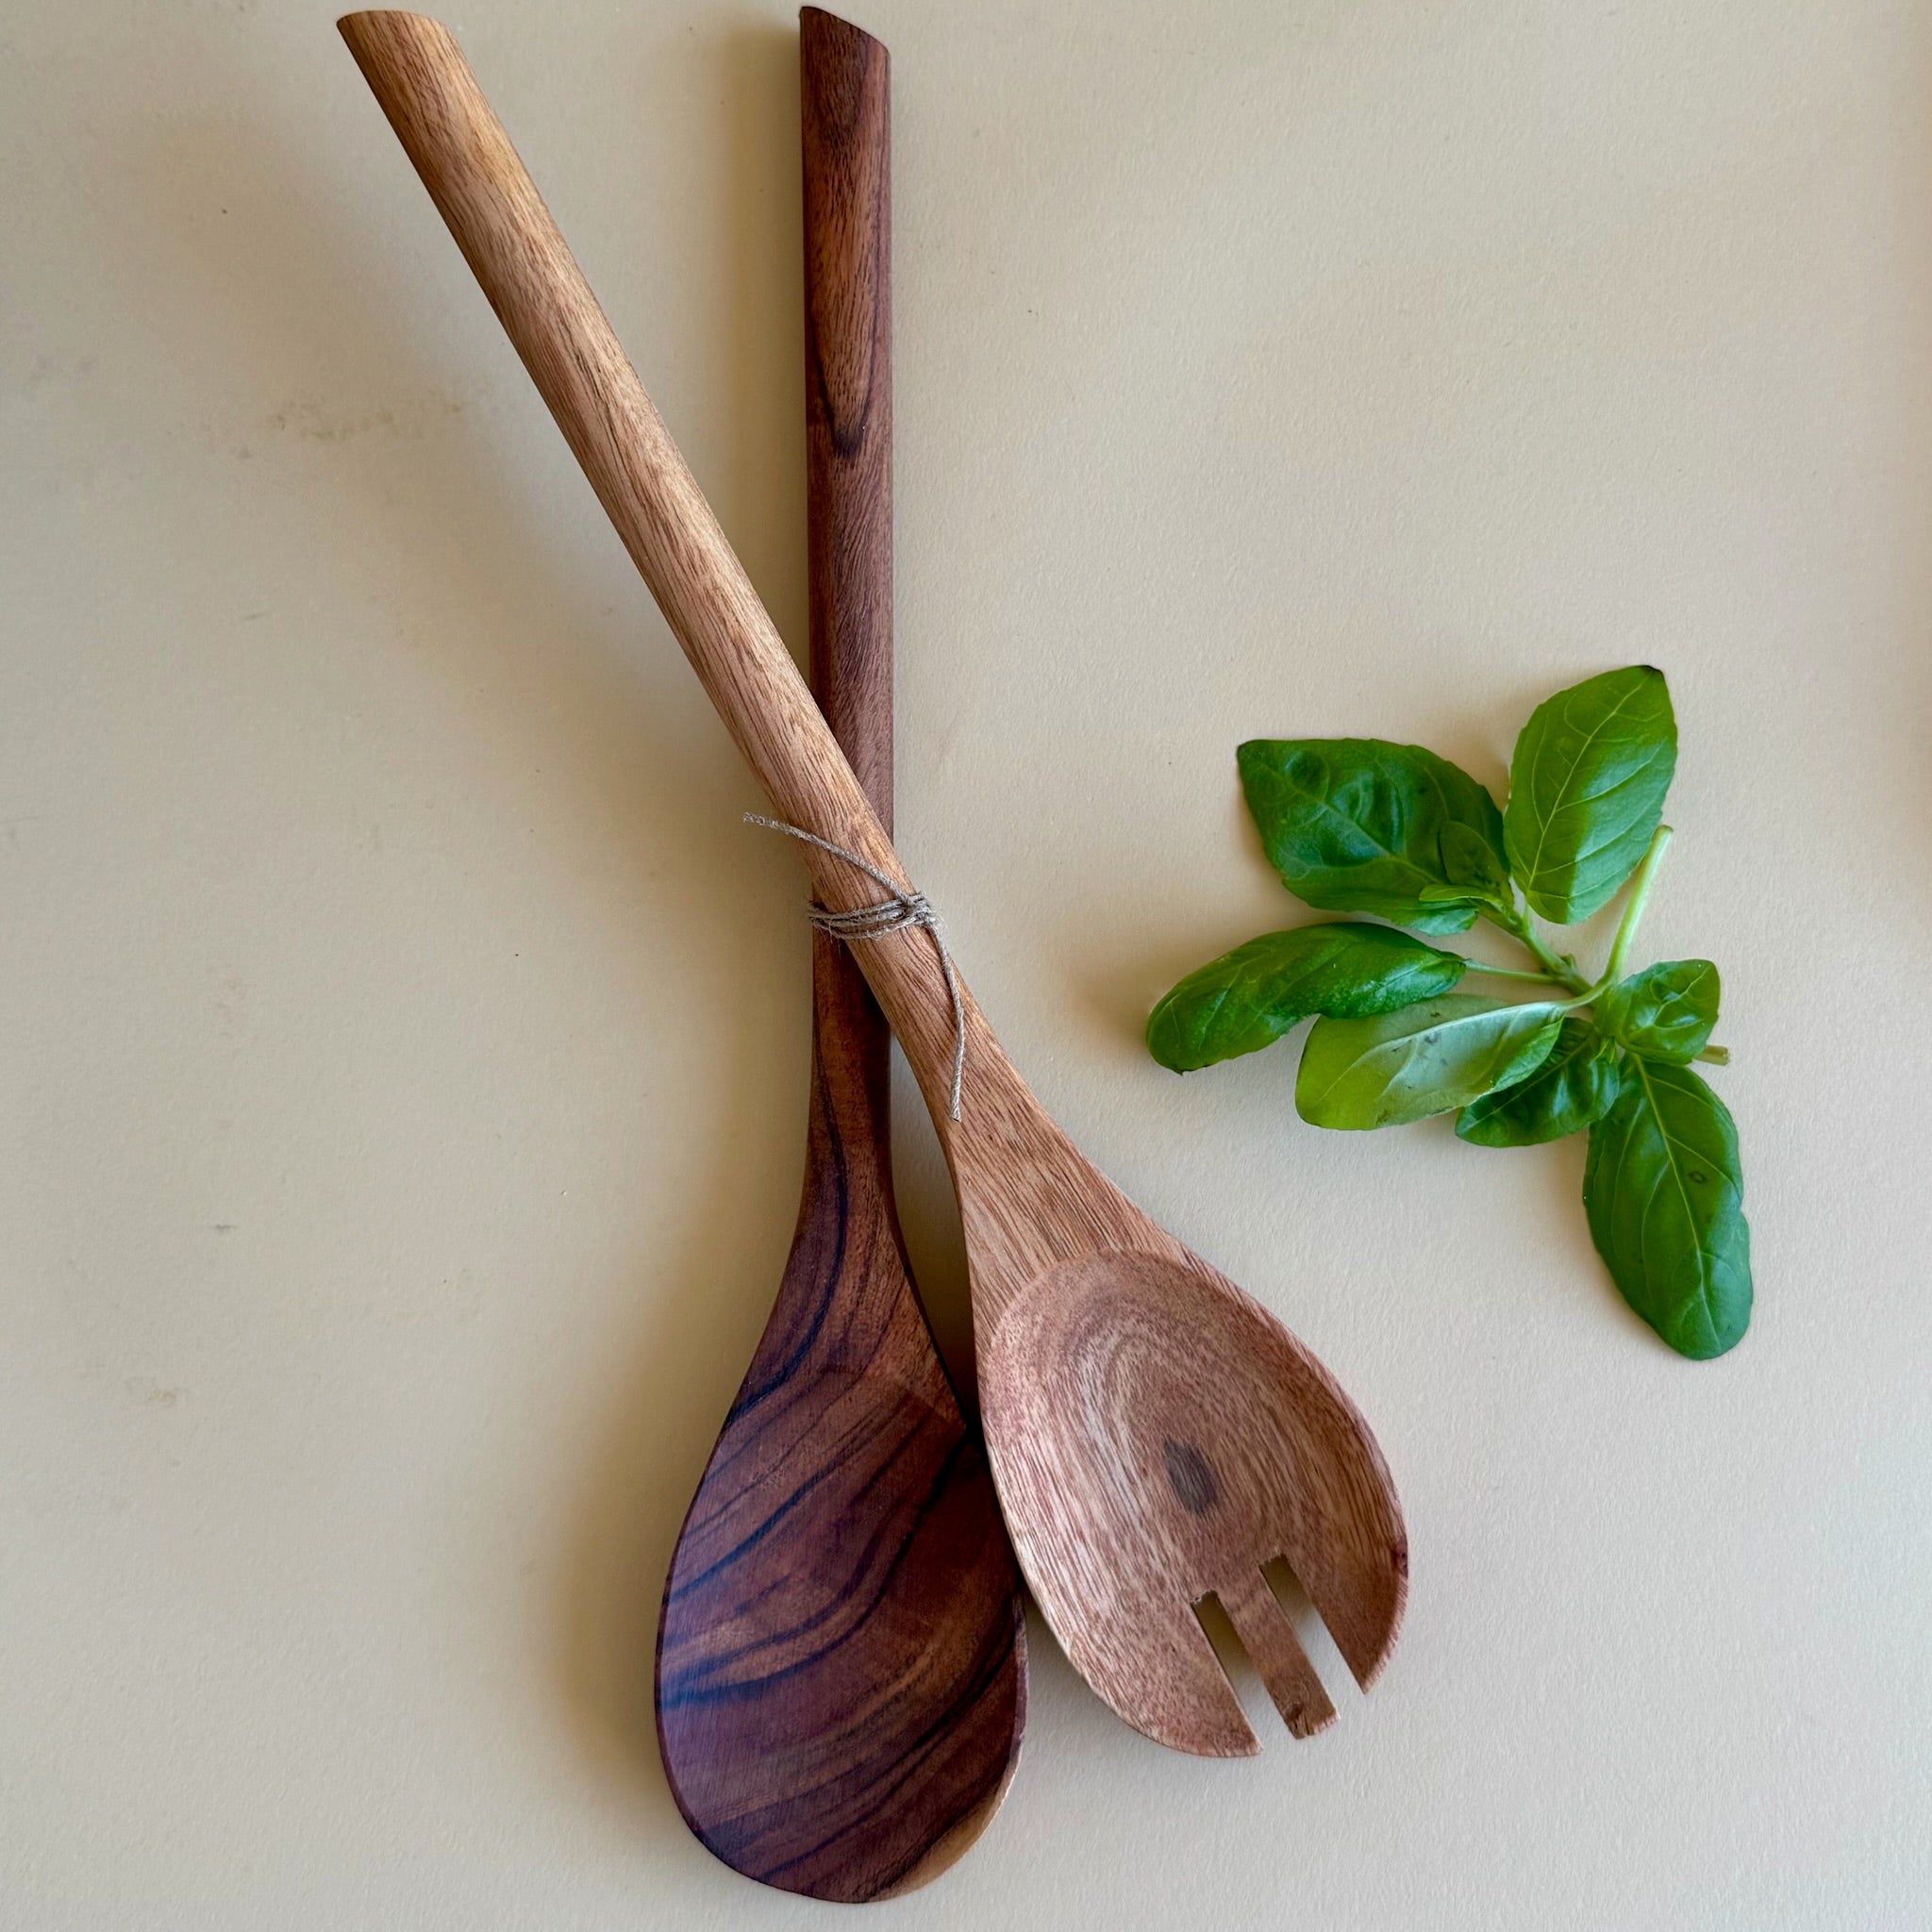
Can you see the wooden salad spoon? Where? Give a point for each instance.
(842, 1679)
(1156, 1436)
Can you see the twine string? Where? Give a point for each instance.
(896, 913)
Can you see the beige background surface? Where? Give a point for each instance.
(401, 1042)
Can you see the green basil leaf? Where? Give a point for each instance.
(1587, 786)
(1571, 1089)
(1424, 1059)
(1248, 998)
(1665, 1012)
(1356, 824)
(1664, 1192)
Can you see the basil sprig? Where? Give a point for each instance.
(1355, 825)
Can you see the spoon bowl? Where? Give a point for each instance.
(1159, 1438)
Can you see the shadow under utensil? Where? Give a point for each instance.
(935, 1242)
(289, 290)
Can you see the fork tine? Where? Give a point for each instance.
(1359, 1595)
(1269, 1639)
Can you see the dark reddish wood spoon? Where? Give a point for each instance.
(841, 1664)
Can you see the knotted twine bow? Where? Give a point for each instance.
(895, 913)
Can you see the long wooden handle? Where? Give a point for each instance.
(499, 221)
(845, 143)
(845, 147)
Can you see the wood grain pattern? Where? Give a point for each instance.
(1155, 1435)
(845, 142)
(841, 1684)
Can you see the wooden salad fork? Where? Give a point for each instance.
(841, 1675)
(1156, 1436)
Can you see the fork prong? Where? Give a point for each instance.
(1361, 1602)
(1269, 1639)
